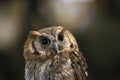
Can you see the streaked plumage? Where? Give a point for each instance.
(52, 54)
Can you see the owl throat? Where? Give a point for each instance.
(56, 68)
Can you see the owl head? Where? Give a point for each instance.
(47, 42)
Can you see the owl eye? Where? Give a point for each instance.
(45, 41)
(60, 37)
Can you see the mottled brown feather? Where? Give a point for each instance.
(50, 63)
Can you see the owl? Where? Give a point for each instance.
(52, 54)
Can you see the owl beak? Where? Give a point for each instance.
(56, 48)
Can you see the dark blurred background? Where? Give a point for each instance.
(95, 24)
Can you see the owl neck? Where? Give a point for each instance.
(48, 70)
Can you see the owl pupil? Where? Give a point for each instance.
(60, 37)
(45, 41)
